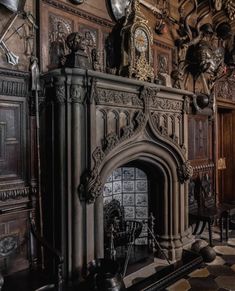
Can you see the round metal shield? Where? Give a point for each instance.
(118, 8)
(10, 4)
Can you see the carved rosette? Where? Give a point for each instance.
(60, 94)
(8, 244)
(185, 172)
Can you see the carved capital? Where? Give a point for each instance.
(185, 172)
(76, 93)
(60, 94)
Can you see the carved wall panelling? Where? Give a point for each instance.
(163, 62)
(16, 159)
(88, 12)
(201, 186)
(59, 29)
(226, 150)
(13, 238)
(12, 117)
(66, 21)
(93, 46)
(200, 139)
(225, 88)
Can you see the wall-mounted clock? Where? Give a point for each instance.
(141, 40)
(136, 41)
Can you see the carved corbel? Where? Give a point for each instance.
(185, 172)
(90, 187)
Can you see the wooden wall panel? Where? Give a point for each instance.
(15, 160)
(12, 122)
(200, 134)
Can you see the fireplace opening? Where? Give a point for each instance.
(132, 212)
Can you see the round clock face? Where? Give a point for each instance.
(141, 40)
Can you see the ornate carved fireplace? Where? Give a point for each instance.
(93, 123)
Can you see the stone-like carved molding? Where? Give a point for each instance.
(77, 93)
(60, 94)
(203, 167)
(113, 97)
(166, 104)
(13, 88)
(224, 88)
(185, 172)
(79, 13)
(16, 194)
(90, 187)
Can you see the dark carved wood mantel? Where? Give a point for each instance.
(93, 123)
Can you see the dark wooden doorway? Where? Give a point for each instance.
(226, 155)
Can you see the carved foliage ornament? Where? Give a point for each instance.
(7, 245)
(60, 94)
(90, 187)
(107, 96)
(185, 172)
(229, 6)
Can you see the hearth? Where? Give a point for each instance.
(94, 125)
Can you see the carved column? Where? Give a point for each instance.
(78, 160)
(60, 168)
